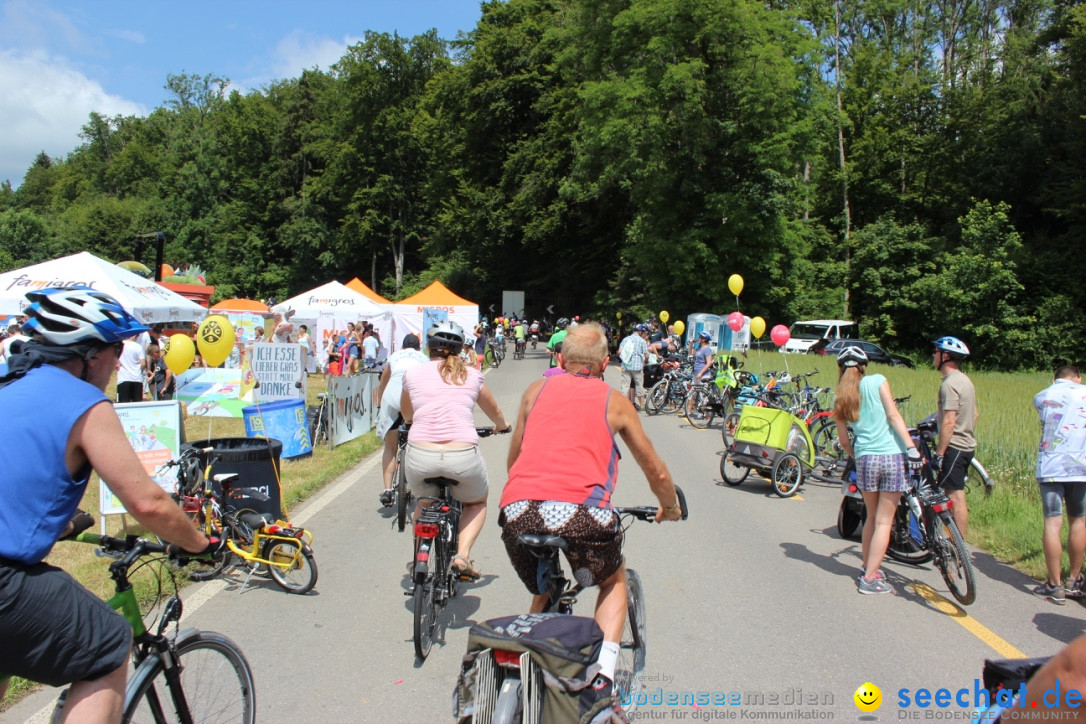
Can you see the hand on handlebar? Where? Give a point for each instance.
(213, 549)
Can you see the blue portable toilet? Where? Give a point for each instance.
(702, 322)
(735, 340)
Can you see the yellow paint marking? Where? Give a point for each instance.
(797, 496)
(970, 624)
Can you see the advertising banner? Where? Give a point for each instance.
(352, 406)
(154, 432)
(213, 392)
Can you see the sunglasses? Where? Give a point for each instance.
(117, 347)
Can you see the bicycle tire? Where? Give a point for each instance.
(699, 413)
(301, 575)
(786, 475)
(731, 473)
(953, 560)
(902, 547)
(849, 522)
(425, 616)
(657, 397)
(632, 648)
(827, 441)
(728, 428)
(403, 494)
(207, 660)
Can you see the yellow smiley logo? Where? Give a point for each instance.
(868, 697)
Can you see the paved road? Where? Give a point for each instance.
(753, 598)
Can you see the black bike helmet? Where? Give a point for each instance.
(447, 337)
(852, 356)
(562, 323)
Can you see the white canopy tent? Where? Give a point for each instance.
(143, 298)
(329, 308)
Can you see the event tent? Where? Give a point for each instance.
(148, 301)
(329, 308)
(362, 288)
(409, 312)
(240, 305)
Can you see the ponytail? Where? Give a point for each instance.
(847, 404)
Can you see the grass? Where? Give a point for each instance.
(1008, 524)
(299, 479)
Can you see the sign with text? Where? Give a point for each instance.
(280, 369)
(153, 430)
(352, 406)
(212, 392)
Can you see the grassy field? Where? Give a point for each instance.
(1007, 524)
(298, 479)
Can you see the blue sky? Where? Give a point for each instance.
(61, 59)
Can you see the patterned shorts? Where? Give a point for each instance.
(594, 536)
(881, 473)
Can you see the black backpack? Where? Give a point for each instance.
(563, 650)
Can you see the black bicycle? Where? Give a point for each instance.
(437, 533)
(401, 494)
(319, 421)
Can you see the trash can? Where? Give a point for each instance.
(255, 460)
(283, 420)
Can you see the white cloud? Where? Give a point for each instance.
(46, 103)
(300, 51)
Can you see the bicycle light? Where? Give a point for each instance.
(943, 506)
(426, 530)
(507, 659)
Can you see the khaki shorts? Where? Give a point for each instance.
(466, 466)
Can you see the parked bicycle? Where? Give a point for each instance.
(319, 421)
(190, 676)
(437, 533)
(516, 679)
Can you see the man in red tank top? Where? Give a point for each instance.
(563, 464)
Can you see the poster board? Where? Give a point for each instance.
(212, 392)
(280, 369)
(154, 431)
(352, 407)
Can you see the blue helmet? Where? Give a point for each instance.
(952, 345)
(65, 316)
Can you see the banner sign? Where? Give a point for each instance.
(153, 430)
(430, 317)
(352, 406)
(280, 369)
(212, 392)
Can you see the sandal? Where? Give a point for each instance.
(465, 568)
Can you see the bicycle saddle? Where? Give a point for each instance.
(255, 520)
(542, 541)
(441, 482)
(226, 478)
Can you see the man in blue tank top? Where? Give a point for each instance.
(52, 629)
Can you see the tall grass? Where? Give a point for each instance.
(1008, 523)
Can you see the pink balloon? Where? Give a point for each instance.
(780, 334)
(735, 321)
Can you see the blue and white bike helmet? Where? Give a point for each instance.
(78, 315)
(952, 345)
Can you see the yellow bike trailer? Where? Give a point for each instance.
(772, 441)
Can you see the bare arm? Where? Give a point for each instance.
(623, 419)
(893, 415)
(489, 405)
(842, 436)
(946, 430)
(406, 409)
(98, 438)
(386, 375)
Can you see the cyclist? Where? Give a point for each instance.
(438, 401)
(554, 346)
(703, 358)
(957, 420)
(576, 415)
(520, 334)
(53, 630)
(389, 418)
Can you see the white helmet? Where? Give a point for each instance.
(447, 336)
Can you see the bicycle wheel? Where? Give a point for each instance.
(849, 522)
(786, 474)
(656, 398)
(676, 397)
(318, 429)
(698, 408)
(827, 442)
(403, 495)
(298, 572)
(425, 618)
(215, 678)
(728, 427)
(733, 474)
(631, 654)
(488, 357)
(903, 545)
(953, 560)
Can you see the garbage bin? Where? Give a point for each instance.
(256, 460)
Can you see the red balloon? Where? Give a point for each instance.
(735, 321)
(780, 335)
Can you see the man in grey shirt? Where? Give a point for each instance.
(957, 421)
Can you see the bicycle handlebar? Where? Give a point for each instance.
(488, 431)
(649, 512)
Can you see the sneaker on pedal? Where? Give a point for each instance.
(387, 496)
(1051, 593)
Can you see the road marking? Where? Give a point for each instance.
(970, 624)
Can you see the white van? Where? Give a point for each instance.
(805, 334)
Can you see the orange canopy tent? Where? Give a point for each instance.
(409, 312)
(360, 286)
(240, 305)
(436, 295)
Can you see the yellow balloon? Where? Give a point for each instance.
(664, 316)
(679, 327)
(757, 327)
(215, 338)
(735, 283)
(179, 353)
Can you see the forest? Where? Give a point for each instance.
(914, 165)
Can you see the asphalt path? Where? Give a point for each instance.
(753, 611)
